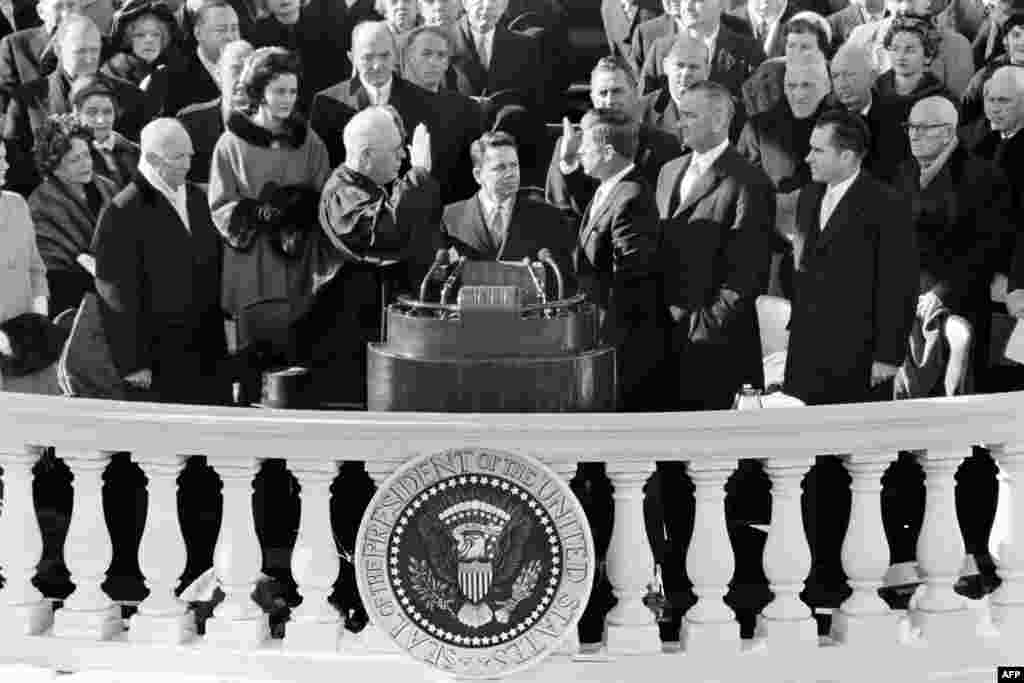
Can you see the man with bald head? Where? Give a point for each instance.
(379, 226)
(158, 276)
(77, 44)
(375, 83)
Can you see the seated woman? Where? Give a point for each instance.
(145, 35)
(65, 208)
(94, 102)
(267, 171)
(806, 33)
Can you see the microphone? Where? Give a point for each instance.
(536, 282)
(440, 259)
(452, 279)
(545, 257)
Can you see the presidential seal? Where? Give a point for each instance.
(475, 562)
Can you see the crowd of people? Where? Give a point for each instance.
(187, 163)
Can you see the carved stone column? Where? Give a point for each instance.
(238, 622)
(315, 625)
(88, 613)
(631, 628)
(864, 619)
(23, 610)
(162, 617)
(939, 612)
(372, 639)
(1008, 600)
(571, 644)
(786, 621)
(710, 626)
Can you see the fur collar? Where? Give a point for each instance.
(294, 134)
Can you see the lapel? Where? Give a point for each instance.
(810, 227)
(511, 228)
(467, 55)
(56, 95)
(672, 205)
(480, 231)
(594, 219)
(158, 201)
(359, 99)
(704, 185)
(842, 214)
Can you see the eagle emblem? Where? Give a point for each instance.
(474, 540)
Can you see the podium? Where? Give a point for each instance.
(504, 345)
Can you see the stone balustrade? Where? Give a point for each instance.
(941, 632)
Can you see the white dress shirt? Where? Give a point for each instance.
(489, 208)
(833, 195)
(700, 162)
(378, 96)
(604, 190)
(484, 43)
(177, 198)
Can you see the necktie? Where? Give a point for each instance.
(827, 206)
(762, 30)
(105, 146)
(498, 225)
(693, 173)
(1000, 155)
(481, 50)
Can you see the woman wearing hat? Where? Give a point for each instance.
(65, 208)
(145, 35)
(94, 102)
(267, 171)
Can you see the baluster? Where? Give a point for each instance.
(25, 610)
(864, 619)
(315, 624)
(631, 628)
(88, 612)
(372, 638)
(938, 611)
(786, 621)
(238, 622)
(162, 617)
(710, 626)
(571, 643)
(1004, 504)
(1008, 600)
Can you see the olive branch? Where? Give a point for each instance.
(521, 589)
(434, 593)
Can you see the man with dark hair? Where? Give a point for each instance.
(734, 56)
(375, 83)
(612, 86)
(855, 290)
(194, 80)
(499, 224)
(456, 120)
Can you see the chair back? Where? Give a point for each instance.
(960, 337)
(772, 317)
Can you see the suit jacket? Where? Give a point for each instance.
(716, 257)
(573, 192)
(332, 108)
(980, 141)
(736, 56)
(159, 290)
(188, 83)
(25, 16)
(205, 124)
(619, 30)
(37, 100)
(616, 260)
(515, 65)
(653, 30)
(531, 227)
(24, 57)
(456, 121)
(777, 142)
(777, 46)
(120, 164)
(856, 290)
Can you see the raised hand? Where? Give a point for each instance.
(419, 150)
